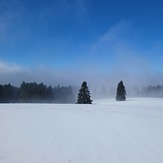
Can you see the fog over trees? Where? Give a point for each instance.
(35, 93)
(40, 93)
(135, 91)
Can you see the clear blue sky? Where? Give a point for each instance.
(66, 34)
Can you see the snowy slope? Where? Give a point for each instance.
(105, 132)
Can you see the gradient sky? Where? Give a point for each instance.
(104, 36)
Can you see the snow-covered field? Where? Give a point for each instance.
(105, 132)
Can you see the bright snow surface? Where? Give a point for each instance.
(105, 132)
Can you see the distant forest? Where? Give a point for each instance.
(148, 91)
(153, 91)
(40, 93)
(35, 93)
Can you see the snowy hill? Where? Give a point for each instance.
(105, 132)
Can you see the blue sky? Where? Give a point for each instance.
(86, 36)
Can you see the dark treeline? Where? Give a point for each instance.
(35, 93)
(40, 93)
(152, 91)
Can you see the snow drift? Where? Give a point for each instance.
(105, 132)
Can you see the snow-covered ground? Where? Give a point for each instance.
(105, 132)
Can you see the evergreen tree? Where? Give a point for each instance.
(121, 92)
(84, 95)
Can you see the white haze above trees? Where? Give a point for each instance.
(101, 84)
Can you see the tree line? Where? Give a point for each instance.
(40, 93)
(152, 91)
(149, 91)
(35, 93)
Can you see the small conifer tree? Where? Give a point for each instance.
(121, 92)
(84, 95)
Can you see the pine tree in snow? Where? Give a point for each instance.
(84, 95)
(121, 92)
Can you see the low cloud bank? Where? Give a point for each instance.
(99, 83)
